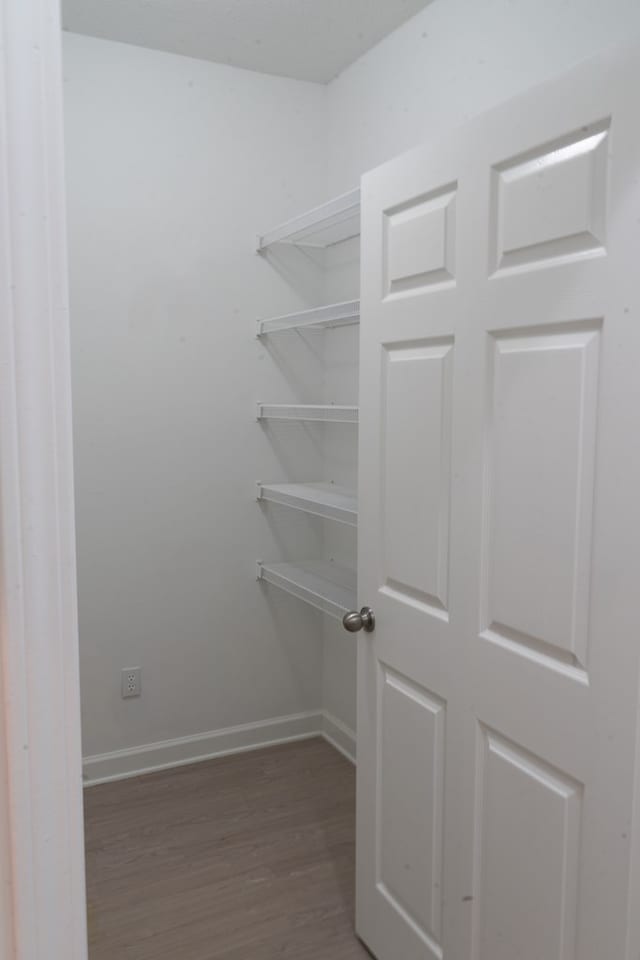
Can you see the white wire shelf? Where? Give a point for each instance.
(319, 499)
(324, 585)
(318, 412)
(330, 223)
(319, 318)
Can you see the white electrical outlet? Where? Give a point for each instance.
(131, 682)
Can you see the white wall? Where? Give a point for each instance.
(173, 166)
(450, 62)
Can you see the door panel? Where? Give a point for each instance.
(417, 462)
(541, 432)
(420, 242)
(551, 202)
(410, 860)
(527, 848)
(499, 532)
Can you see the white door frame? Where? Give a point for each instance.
(42, 899)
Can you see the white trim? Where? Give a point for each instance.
(339, 735)
(150, 757)
(39, 699)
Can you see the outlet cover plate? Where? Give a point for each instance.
(131, 682)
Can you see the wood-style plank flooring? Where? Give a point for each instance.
(248, 857)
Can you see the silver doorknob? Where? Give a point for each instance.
(354, 621)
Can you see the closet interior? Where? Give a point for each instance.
(221, 158)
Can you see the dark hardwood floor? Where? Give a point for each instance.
(248, 857)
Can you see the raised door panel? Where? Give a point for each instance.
(550, 202)
(417, 465)
(541, 434)
(419, 243)
(410, 805)
(527, 853)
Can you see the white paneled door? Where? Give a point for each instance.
(500, 533)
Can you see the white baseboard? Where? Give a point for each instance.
(150, 757)
(204, 746)
(339, 735)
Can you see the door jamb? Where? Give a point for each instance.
(41, 783)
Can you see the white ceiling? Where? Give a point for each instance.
(306, 39)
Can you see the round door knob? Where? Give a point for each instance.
(354, 621)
